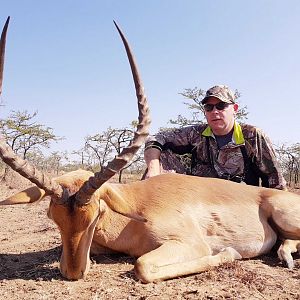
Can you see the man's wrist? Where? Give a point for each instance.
(153, 167)
(154, 144)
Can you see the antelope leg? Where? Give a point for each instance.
(173, 259)
(286, 249)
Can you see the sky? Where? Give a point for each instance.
(65, 60)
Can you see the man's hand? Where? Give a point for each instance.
(151, 156)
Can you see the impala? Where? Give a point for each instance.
(173, 224)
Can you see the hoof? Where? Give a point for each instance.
(290, 264)
(234, 254)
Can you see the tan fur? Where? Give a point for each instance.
(174, 224)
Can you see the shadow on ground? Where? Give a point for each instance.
(30, 265)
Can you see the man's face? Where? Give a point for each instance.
(220, 121)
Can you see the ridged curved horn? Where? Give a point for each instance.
(119, 162)
(27, 170)
(18, 164)
(2, 51)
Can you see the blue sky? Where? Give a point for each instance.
(65, 60)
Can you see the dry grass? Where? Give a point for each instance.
(29, 261)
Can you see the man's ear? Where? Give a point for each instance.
(235, 107)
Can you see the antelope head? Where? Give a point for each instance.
(75, 204)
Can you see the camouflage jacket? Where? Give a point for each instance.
(248, 157)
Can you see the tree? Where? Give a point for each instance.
(194, 97)
(289, 157)
(37, 158)
(104, 146)
(53, 162)
(24, 135)
(98, 149)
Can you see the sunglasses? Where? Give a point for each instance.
(218, 106)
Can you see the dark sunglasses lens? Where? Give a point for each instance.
(208, 107)
(221, 105)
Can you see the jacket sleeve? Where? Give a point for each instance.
(177, 140)
(267, 164)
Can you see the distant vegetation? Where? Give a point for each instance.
(29, 139)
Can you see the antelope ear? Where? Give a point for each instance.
(118, 204)
(29, 195)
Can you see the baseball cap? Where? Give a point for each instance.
(221, 92)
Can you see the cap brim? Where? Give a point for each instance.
(213, 96)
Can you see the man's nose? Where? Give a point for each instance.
(214, 110)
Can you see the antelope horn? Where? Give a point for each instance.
(18, 164)
(24, 168)
(2, 51)
(120, 161)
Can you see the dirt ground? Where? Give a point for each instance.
(30, 251)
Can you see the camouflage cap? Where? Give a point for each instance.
(221, 92)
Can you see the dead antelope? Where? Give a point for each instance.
(174, 224)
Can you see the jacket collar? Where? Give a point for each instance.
(237, 137)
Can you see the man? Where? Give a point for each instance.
(222, 148)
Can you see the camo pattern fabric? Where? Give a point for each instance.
(190, 142)
(221, 92)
